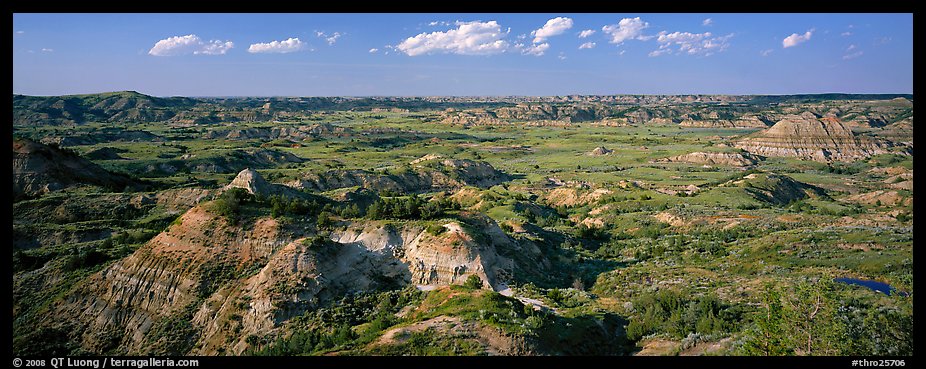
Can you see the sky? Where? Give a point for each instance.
(482, 54)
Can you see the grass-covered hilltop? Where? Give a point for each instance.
(564, 225)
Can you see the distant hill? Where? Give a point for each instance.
(125, 106)
(39, 169)
(134, 107)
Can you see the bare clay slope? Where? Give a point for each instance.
(39, 169)
(810, 138)
(207, 283)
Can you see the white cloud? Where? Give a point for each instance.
(851, 47)
(853, 55)
(766, 52)
(586, 33)
(622, 52)
(845, 34)
(280, 47)
(536, 49)
(189, 44)
(691, 43)
(627, 29)
(20, 32)
(374, 50)
(587, 45)
(215, 47)
(561, 56)
(45, 50)
(707, 22)
(469, 38)
(331, 39)
(553, 27)
(659, 52)
(176, 45)
(796, 39)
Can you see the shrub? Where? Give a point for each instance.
(473, 282)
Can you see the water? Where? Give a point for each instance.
(874, 285)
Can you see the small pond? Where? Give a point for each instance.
(874, 285)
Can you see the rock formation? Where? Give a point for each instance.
(255, 184)
(427, 175)
(714, 158)
(39, 169)
(599, 151)
(810, 138)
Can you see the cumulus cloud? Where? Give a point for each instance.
(553, 27)
(215, 47)
(587, 45)
(469, 38)
(852, 55)
(707, 22)
(627, 29)
(331, 39)
(374, 50)
(691, 43)
(796, 39)
(189, 44)
(536, 49)
(46, 50)
(280, 47)
(766, 52)
(586, 33)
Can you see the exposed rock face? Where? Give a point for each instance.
(255, 184)
(251, 181)
(291, 133)
(198, 271)
(888, 198)
(807, 137)
(427, 175)
(747, 121)
(471, 117)
(39, 169)
(714, 158)
(572, 196)
(172, 272)
(443, 259)
(599, 151)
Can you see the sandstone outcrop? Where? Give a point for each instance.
(251, 181)
(599, 151)
(808, 137)
(714, 158)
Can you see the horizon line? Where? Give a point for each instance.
(477, 96)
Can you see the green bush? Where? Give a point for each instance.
(473, 282)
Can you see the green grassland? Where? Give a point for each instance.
(654, 278)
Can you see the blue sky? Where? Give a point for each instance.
(461, 54)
